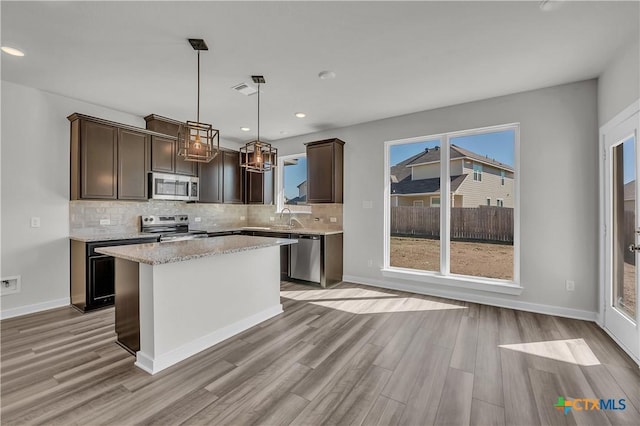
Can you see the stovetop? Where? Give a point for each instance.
(168, 226)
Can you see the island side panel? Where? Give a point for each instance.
(200, 302)
(127, 304)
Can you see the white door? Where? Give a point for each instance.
(622, 233)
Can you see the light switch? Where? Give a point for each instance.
(333, 219)
(35, 222)
(367, 204)
(105, 221)
(197, 219)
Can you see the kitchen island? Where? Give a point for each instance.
(176, 299)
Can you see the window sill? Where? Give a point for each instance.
(459, 281)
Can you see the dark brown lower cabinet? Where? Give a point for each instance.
(93, 274)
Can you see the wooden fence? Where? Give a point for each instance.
(481, 223)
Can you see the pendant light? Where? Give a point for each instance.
(257, 156)
(198, 141)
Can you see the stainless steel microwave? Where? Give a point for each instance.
(165, 186)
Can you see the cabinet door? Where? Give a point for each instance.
(320, 173)
(259, 188)
(211, 180)
(102, 279)
(186, 167)
(133, 165)
(231, 177)
(163, 154)
(98, 159)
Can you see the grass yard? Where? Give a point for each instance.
(476, 259)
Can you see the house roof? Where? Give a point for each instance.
(630, 190)
(297, 200)
(432, 155)
(423, 186)
(400, 171)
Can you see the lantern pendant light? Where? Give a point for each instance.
(198, 141)
(257, 156)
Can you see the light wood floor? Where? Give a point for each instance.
(348, 355)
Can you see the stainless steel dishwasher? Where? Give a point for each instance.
(304, 258)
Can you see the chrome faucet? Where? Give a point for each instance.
(282, 213)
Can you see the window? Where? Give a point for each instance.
(292, 183)
(477, 172)
(418, 203)
(457, 239)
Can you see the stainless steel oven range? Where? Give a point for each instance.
(170, 227)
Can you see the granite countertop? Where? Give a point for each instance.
(304, 231)
(92, 237)
(179, 251)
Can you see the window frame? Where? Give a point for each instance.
(499, 202)
(432, 203)
(477, 173)
(503, 175)
(444, 276)
(488, 200)
(418, 203)
(279, 186)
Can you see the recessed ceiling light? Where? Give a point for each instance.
(327, 75)
(245, 129)
(301, 114)
(12, 51)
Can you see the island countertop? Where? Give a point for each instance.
(179, 251)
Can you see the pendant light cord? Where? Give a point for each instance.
(258, 140)
(198, 109)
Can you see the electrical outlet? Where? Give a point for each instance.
(570, 285)
(242, 218)
(10, 285)
(35, 222)
(369, 263)
(105, 222)
(333, 219)
(272, 219)
(197, 219)
(367, 204)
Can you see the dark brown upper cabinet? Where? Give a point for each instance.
(231, 177)
(109, 161)
(211, 181)
(259, 187)
(325, 171)
(133, 164)
(164, 152)
(221, 180)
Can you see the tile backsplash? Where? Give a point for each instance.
(123, 217)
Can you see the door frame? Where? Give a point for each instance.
(625, 114)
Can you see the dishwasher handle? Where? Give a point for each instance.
(305, 237)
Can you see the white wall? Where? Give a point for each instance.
(559, 191)
(619, 84)
(35, 182)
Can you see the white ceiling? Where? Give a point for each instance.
(391, 58)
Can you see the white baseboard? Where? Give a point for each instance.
(153, 365)
(466, 297)
(37, 307)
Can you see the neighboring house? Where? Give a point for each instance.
(630, 195)
(476, 180)
(302, 195)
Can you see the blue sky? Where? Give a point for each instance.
(294, 176)
(628, 160)
(497, 145)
